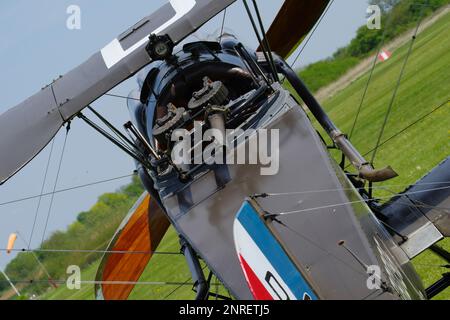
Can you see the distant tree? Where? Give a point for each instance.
(385, 5)
(3, 283)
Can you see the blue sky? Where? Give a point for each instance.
(36, 47)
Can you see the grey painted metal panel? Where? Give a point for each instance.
(26, 129)
(305, 166)
(435, 203)
(422, 212)
(421, 239)
(103, 71)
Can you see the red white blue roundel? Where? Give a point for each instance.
(270, 273)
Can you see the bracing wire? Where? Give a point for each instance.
(121, 97)
(432, 265)
(56, 184)
(418, 203)
(400, 78)
(91, 251)
(369, 80)
(313, 243)
(312, 34)
(366, 88)
(406, 128)
(223, 24)
(180, 286)
(265, 41)
(67, 189)
(262, 44)
(124, 141)
(132, 175)
(149, 283)
(49, 278)
(350, 189)
(355, 202)
(42, 191)
(305, 238)
(116, 282)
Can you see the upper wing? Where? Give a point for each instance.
(27, 128)
(293, 23)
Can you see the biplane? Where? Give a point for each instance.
(249, 228)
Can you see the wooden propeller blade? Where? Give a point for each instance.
(140, 233)
(293, 23)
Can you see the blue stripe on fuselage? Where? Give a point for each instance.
(273, 251)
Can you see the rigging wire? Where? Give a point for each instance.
(118, 134)
(307, 239)
(414, 204)
(432, 265)
(108, 136)
(177, 288)
(155, 283)
(374, 64)
(380, 293)
(265, 41)
(42, 266)
(229, 293)
(312, 34)
(319, 247)
(406, 128)
(217, 288)
(121, 97)
(400, 78)
(418, 213)
(117, 282)
(355, 202)
(124, 142)
(380, 47)
(67, 189)
(417, 203)
(423, 205)
(261, 42)
(42, 191)
(56, 183)
(223, 25)
(180, 286)
(134, 174)
(349, 189)
(90, 251)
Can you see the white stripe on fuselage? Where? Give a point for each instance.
(257, 261)
(113, 53)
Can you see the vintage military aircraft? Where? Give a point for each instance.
(249, 228)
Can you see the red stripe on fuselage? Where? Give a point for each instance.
(258, 290)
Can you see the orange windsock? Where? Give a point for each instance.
(11, 242)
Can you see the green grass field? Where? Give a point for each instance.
(426, 85)
(162, 268)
